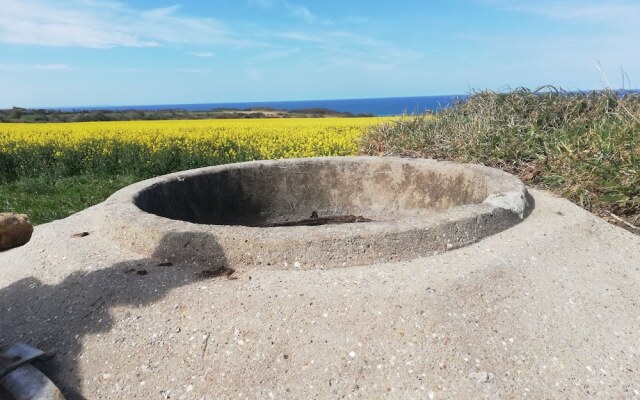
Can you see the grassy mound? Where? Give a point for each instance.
(584, 146)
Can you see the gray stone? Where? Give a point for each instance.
(15, 230)
(232, 215)
(481, 377)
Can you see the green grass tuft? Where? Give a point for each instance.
(45, 199)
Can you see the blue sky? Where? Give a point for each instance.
(95, 52)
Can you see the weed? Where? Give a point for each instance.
(584, 146)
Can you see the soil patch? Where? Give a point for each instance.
(314, 220)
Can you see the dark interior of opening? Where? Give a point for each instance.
(275, 194)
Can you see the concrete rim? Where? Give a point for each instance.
(307, 247)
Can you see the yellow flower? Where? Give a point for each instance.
(167, 145)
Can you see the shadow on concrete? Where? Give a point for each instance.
(54, 318)
(531, 201)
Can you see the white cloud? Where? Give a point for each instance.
(36, 67)
(293, 9)
(202, 54)
(333, 37)
(350, 52)
(52, 67)
(302, 36)
(192, 70)
(299, 11)
(9, 67)
(102, 24)
(605, 30)
(262, 3)
(343, 40)
(277, 54)
(580, 11)
(162, 12)
(540, 58)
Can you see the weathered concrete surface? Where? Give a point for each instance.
(211, 215)
(549, 308)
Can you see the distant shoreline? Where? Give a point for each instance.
(24, 115)
(380, 107)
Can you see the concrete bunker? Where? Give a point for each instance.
(306, 213)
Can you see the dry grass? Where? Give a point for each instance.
(584, 146)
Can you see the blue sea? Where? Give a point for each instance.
(379, 106)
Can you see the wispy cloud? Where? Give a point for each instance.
(8, 67)
(52, 67)
(350, 20)
(334, 37)
(300, 11)
(277, 54)
(263, 3)
(36, 67)
(202, 54)
(586, 11)
(350, 51)
(310, 37)
(102, 24)
(384, 60)
(604, 30)
(541, 58)
(191, 70)
(295, 10)
(608, 12)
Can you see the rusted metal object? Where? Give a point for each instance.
(21, 379)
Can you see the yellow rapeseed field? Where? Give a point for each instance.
(147, 148)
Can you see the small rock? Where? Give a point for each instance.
(165, 264)
(481, 377)
(15, 230)
(80, 235)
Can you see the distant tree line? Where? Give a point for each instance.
(26, 115)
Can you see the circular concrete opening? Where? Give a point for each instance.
(304, 213)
